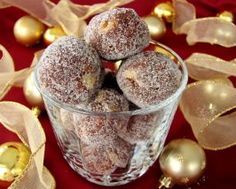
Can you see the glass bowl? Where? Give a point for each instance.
(133, 141)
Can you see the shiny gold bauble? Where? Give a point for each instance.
(182, 162)
(51, 34)
(226, 15)
(14, 157)
(28, 30)
(156, 26)
(165, 11)
(31, 93)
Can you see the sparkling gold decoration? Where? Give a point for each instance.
(182, 162)
(27, 127)
(51, 34)
(31, 93)
(14, 157)
(165, 11)
(209, 114)
(220, 32)
(156, 26)
(226, 15)
(36, 111)
(28, 31)
(203, 66)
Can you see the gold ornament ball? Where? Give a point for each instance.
(182, 162)
(165, 11)
(31, 93)
(14, 157)
(156, 26)
(28, 30)
(226, 15)
(51, 34)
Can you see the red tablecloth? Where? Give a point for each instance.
(221, 165)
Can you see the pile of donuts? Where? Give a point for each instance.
(71, 71)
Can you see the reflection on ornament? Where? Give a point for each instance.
(28, 31)
(31, 93)
(226, 15)
(14, 157)
(36, 111)
(117, 64)
(51, 34)
(182, 162)
(156, 26)
(165, 52)
(165, 11)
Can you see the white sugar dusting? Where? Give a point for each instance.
(64, 65)
(108, 100)
(96, 159)
(98, 129)
(117, 34)
(148, 78)
(140, 127)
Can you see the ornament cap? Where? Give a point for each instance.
(165, 182)
(36, 111)
(226, 15)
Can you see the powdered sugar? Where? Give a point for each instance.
(117, 33)
(96, 159)
(109, 100)
(67, 119)
(95, 129)
(148, 78)
(140, 127)
(98, 129)
(119, 152)
(70, 70)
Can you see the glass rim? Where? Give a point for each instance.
(145, 110)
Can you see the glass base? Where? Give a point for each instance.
(145, 154)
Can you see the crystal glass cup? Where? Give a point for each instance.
(124, 144)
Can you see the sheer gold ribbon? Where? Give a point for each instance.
(70, 16)
(204, 66)
(206, 105)
(8, 76)
(20, 120)
(209, 103)
(213, 30)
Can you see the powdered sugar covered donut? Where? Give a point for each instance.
(119, 152)
(70, 70)
(104, 159)
(109, 100)
(99, 129)
(117, 34)
(148, 78)
(96, 159)
(94, 129)
(140, 127)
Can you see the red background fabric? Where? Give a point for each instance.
(221, 165)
